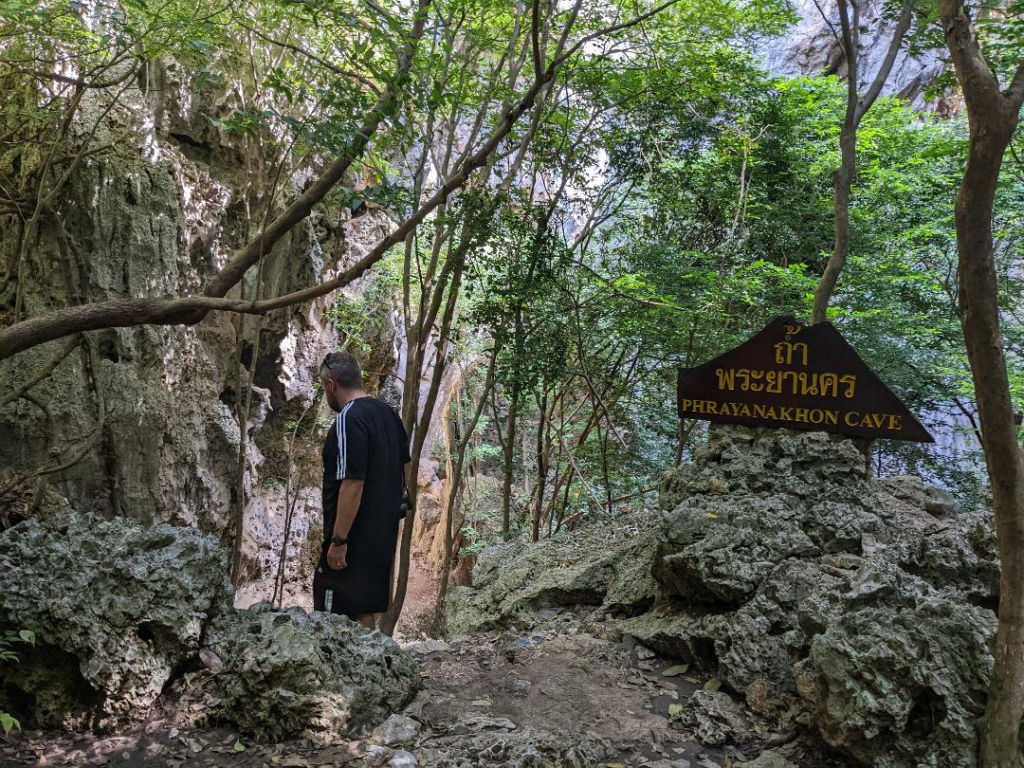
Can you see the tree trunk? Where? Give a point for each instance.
(992, 114)
(419, 436)
(842, 180)
(856, 107)
(542, 469)
(982, 335)
(454, 490)
(509, 468)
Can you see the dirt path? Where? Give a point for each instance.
(420, 600)
(568, 683)
(548, 697)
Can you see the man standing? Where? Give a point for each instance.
(364, 465)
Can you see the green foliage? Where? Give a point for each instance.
(8, 655)
(674, 197)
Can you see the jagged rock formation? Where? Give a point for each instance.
(288, 673)
(810, 47)
(114, 606)
(120, 609)
(153, 410)
(713, 717)
(609, 567)
(861, 608)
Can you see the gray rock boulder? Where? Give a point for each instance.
(757, 461)
(884, 612)
(769, 759)
(718, 550)
(809, 47)
(599, 565)
(930, 498)
(902, 680)
(114, 606)
(713, 718)
(754, 645)
(288, 673)
(403, 759)
(862, 608)
(398, 730)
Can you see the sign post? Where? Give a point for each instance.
(797, 376)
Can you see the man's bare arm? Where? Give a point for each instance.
(349, 496)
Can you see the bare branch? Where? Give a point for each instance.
(1015, 93)
(828, 22)
(317, 59)
(301, 208)
(898, 35)
(559, 60)
(538, 67)
(78, 82)
(45, 371)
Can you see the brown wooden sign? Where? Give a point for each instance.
(796, 376)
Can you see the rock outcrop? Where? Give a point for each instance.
(289, 674)
(115, 607)
(119, 610)
(145, 417)
(862, 608)
(599, 566)
(810, 48)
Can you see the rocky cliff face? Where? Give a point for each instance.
(158, 220)
(861, 609)
(810, 47)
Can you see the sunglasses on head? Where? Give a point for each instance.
(327, 363)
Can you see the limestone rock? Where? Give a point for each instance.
(377, 755)
(864, 608)
(686, 635)
(521, 749)
(23, 500)
(159, 218)
(289, 673)
(758, 461)
(473, 722)
(430, 645)
(403, 759)
(115, 608)
(720, 550)
(902, 687)
(756, 643)
(713, 718)
(913, 489)
(809, 48)
(397, 730)
(596, 565)
(958, 554)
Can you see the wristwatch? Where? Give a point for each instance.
(338, 541)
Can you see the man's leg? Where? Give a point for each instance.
(368, 620)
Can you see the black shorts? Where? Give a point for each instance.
(364, 584)
(330, 597)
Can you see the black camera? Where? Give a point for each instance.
(406, 506)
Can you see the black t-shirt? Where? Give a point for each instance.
(367, 442)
